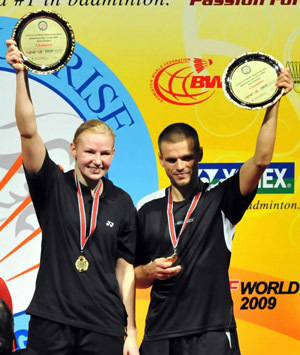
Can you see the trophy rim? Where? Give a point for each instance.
(45, 13)
(241, 60)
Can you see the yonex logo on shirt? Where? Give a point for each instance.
(190, 220)
(110, 224)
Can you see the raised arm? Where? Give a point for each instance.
(126, 280)
(33, 149)
(253, 169)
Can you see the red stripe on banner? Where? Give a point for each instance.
(11, 172)
(25, 241)
(25, 272)
(22, 206)
(5, 294)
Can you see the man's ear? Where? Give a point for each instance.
(160, 157)
(200, 154)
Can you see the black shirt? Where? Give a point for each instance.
(198, 299)
(88, 300)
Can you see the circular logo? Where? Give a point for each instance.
(176, 82)
(43, 25)
(246, 69)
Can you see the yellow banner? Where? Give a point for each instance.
(164, 61)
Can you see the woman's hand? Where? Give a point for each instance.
(14, 56)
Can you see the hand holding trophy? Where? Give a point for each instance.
(46, 41)
(249, 81)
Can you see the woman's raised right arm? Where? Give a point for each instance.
(33, 149)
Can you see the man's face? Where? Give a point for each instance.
(180, 161)
(93, 153)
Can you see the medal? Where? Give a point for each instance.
(173, 257)
(82, 264)
(172, 231)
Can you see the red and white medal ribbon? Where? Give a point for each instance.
(171, 224)
(93, 222)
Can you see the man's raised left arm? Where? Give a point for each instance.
(253, 169)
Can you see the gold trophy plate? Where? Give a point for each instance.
(46, 41)
(249, 80)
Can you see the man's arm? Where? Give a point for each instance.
(160, 268)
(253, 169)
(33, 149)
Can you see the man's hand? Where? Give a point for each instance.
(285, 81)
(161, 269)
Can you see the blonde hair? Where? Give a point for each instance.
(96, 126)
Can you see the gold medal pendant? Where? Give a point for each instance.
(82, 264)
(173, 257)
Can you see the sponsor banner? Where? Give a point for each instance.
(278, 178)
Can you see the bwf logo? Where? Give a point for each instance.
(184, 81)
(110, 224)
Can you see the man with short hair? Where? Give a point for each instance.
(184, 246)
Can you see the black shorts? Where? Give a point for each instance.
(209, 343)
(46, 337)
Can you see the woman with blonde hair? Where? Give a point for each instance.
(84, 301)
